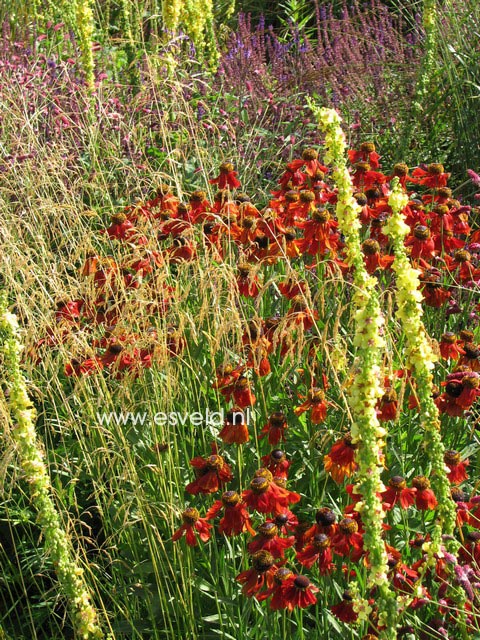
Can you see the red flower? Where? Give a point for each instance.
(310, 162)
(276, 462)
(425, 498)
(279, 576)
(295, 591)
(268, 540)
(286, 521)
(344, 609)
(275, 428)
(70, 310)
(366, 153)
(227, 177)
(388, 406)
(458, 473)
(325, 522)
(193, 523)
(236, 519)
(434, 176)
(347, 541)
(247, 282)
(235, 429)
(267, 496)
(450, 347)
(260, 575)
(226, 378)
(318, 551)
(398, 492)
(292, 287)
(242, 393)
(422, 243)
(301, 314)
(85, 367)
(317, 403)
(340, 462)
(212, 473)
(372, 257)
(319, 234)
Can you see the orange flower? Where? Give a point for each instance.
(340, 462)
(317, 403)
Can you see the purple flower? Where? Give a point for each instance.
(474, 177)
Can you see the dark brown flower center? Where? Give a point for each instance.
(214, 462)
(400, 169)
(292, 196)
(458, 495)
(449, 337)
(316, 395)
(471, 350)
(451, 458)
(367, 147)
(230, 498)
(370, 247)
(462, 256)
(190, 515)
(361, 198)
(325, 517)
(361, 167)
(309, 154)
(348, 526)
(321, 541)
(118, 218)
(435, 168)
(282, 574)
(301, 582)
(259, 485)
(277, 419)
(277, 456)
(268, 529)
(397, 482)
(421, 232)
(421, 483)
(320, 215)
(307, 196)
(262, 561)
(198, 196)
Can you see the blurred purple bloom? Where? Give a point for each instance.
(474, 177)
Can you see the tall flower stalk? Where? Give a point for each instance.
(429, 21)
(367, 433)
(57, 541)
(421, 361)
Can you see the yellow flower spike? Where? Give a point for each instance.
(366, 388)
(36, 474)
(421, 360)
